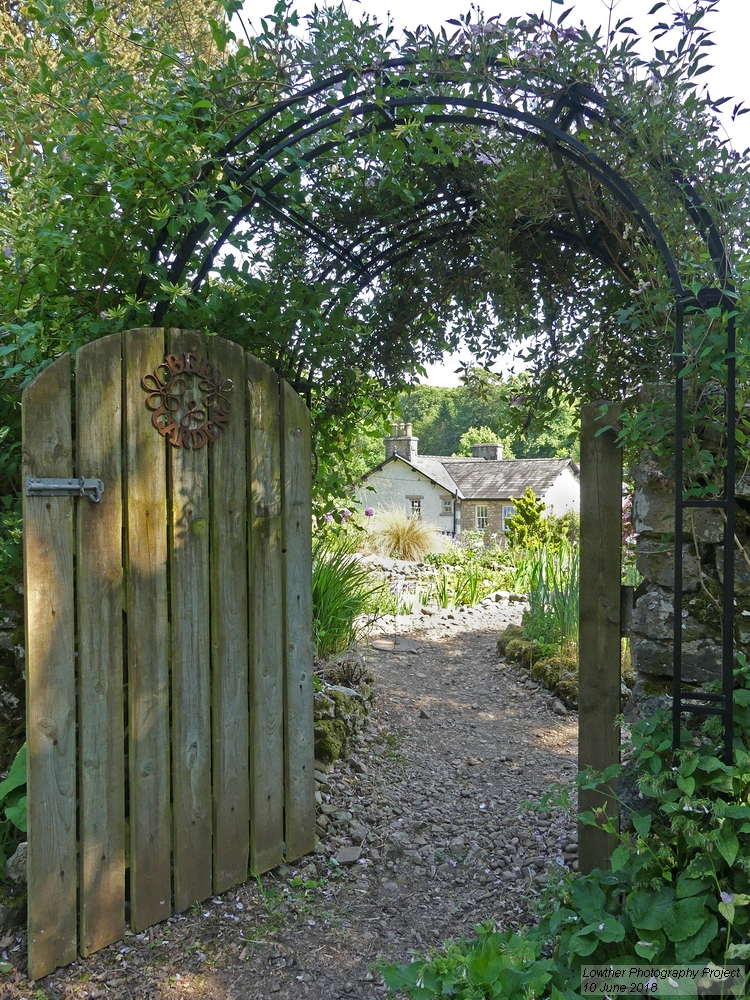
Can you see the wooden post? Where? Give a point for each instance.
(599, 616)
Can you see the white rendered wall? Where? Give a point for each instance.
(564, 494)
(394, 488)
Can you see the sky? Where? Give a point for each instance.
(728, 78)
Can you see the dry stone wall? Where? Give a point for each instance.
(651, 627)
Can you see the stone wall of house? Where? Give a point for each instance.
(494, 516)
(651, 627)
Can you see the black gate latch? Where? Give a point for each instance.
(91, 488)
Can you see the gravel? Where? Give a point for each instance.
(422, 834)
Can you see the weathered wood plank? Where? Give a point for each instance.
(50, 675)
(99, 597)
(266, 643)
(299, 752)
(147, 638)
(229, 627)
(599, 612)
(190, 643)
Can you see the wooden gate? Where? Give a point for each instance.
(168, 644)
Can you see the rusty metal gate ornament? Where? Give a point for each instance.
(200, 422)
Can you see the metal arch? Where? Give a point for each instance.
(525, 128)
(569, 105)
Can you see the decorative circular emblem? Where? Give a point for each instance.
(186, 417)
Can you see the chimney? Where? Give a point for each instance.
(401, 442)
(489, 452)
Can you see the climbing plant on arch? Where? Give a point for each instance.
(345, 207)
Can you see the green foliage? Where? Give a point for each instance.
(527, 527)
(530, 527)
(487, 407)
(114, 125)
(493, 965)
(344, 594)
(552, 617)
(476, 435)
(13, 807)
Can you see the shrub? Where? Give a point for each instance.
(531, 528)
(528, 526)
(402, 537)
(343, 595)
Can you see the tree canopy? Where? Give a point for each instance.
(347, 207)
(448, 421)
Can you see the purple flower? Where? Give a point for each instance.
(727, 897)
(369, 512)
(328, 518)
(345, 515)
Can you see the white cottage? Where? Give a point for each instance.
(455, 494)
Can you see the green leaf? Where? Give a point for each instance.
(650, 946)
(695, 946)
(16, 776)
(685, 918)
(620, 857)
(16, 812)
(686, 784)
(647, 910)
(687, 886)
(94, 59)
(728, 844)
(642, 823)
(588, 899)
(399, 976)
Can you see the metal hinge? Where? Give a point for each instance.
(91, 488)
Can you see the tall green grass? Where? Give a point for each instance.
(344, 595)
(553, 579)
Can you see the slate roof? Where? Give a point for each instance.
(430, 466)
(479, 479)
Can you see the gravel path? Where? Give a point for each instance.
(431, 803)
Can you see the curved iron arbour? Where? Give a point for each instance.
(288, 141)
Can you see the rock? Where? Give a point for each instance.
(655, 560)
(508, 634)
(741, 569)
(653, 505)
(331, 740)
(15, 866)
(653, 618)
(323, 706)
(648, 695)
(701, 659)
(423, 714)
(558, 708)
(348, 855)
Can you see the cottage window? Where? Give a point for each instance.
(481, 515)
(416, 508)
(508, 513)
(447, 506)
